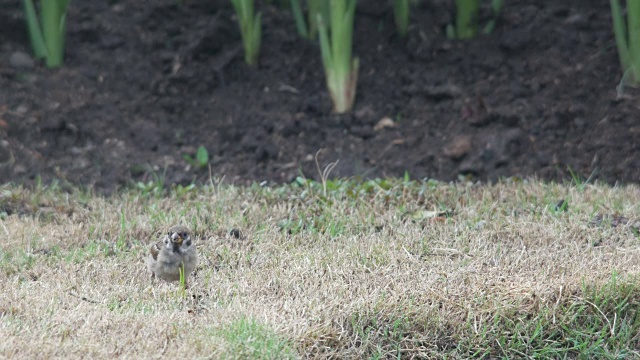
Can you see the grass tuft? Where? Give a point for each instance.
(338, 268)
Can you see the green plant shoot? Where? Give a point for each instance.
(496, 7)
(467, 18)
(315, 8)
(298, 16)
(250, 29)
(47, 35)
(466, 25)
(401, 15)
(628, 39)
(341, 70)
(201, 159)
(202, 155)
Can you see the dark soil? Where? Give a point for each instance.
(145, 82)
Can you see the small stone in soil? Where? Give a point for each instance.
(21, 60)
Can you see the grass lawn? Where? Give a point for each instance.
(345, 269)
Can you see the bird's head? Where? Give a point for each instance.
(180, 234)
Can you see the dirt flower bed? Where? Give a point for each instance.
(145, 83)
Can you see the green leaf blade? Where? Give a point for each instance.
(202, 156)
(35, 32)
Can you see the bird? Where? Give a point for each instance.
(173, 252)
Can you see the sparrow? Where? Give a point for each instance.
(174, 251)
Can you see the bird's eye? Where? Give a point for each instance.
(184, 234)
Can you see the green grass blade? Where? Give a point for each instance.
(53, 38)
(336, 48)
(236, 6)
(342, 35)
(348, 30)
(249, 29)
(489, 27)
(317, 7)
(250, 10)
(401, 16)
(35, 32)
(620, 32)
(496, 6)
(633, 26)
(339, 38)
(335, 17)
(467, 18)
(257, 37)
(339, 35)
(202, 155)
(63, 4)
(301, 25)
(325, 46)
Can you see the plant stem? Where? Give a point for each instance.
(301, 25)
(633, 25)
(401, 15)
(317, 7)
(250, 29)
(47, 35)
(467, 18)
(627, 35)
(35, 32)
(341, 70)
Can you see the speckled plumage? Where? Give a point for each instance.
(174, 249)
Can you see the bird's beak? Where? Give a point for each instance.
(176, 239)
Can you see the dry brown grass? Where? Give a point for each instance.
(378, 274)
